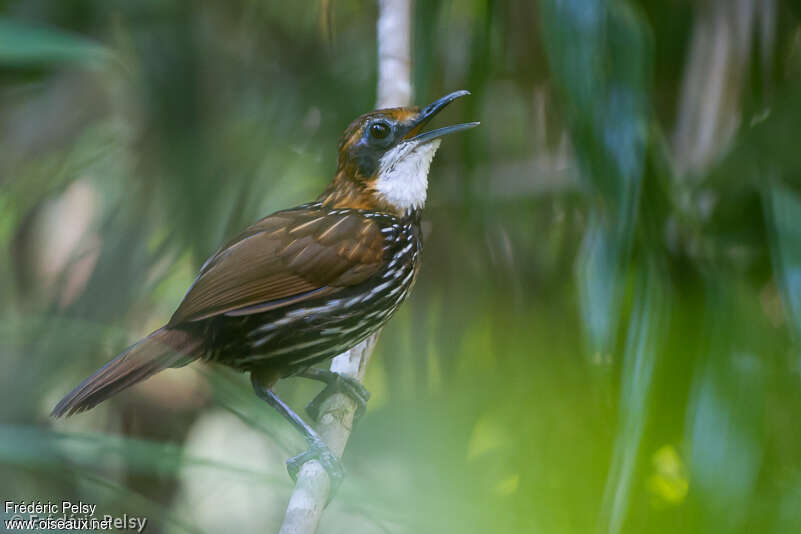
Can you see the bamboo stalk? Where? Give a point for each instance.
(311, 493)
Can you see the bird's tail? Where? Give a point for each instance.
(162, 349)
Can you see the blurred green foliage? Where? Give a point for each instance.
(605, 336)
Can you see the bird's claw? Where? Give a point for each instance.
(338, 383)
(324, 455)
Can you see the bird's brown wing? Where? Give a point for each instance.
(285, 258)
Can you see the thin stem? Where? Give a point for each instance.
(335, 421)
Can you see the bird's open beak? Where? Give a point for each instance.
(428, 113)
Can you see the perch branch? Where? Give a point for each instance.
(336, 414)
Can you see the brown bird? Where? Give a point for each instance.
(304, 284)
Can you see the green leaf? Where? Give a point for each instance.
(784, 217)
(646, 333)
(25, 45)
(599, 53)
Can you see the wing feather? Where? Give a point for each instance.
(283, 259)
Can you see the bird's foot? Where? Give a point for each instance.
(319, 451)
(337, 383)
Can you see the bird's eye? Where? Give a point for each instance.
(379, 130)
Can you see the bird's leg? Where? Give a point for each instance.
(335, 383)
(318, 450)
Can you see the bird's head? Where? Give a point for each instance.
(384, 157)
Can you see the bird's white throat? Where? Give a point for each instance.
(403, 174)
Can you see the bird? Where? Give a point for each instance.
(304, 284)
